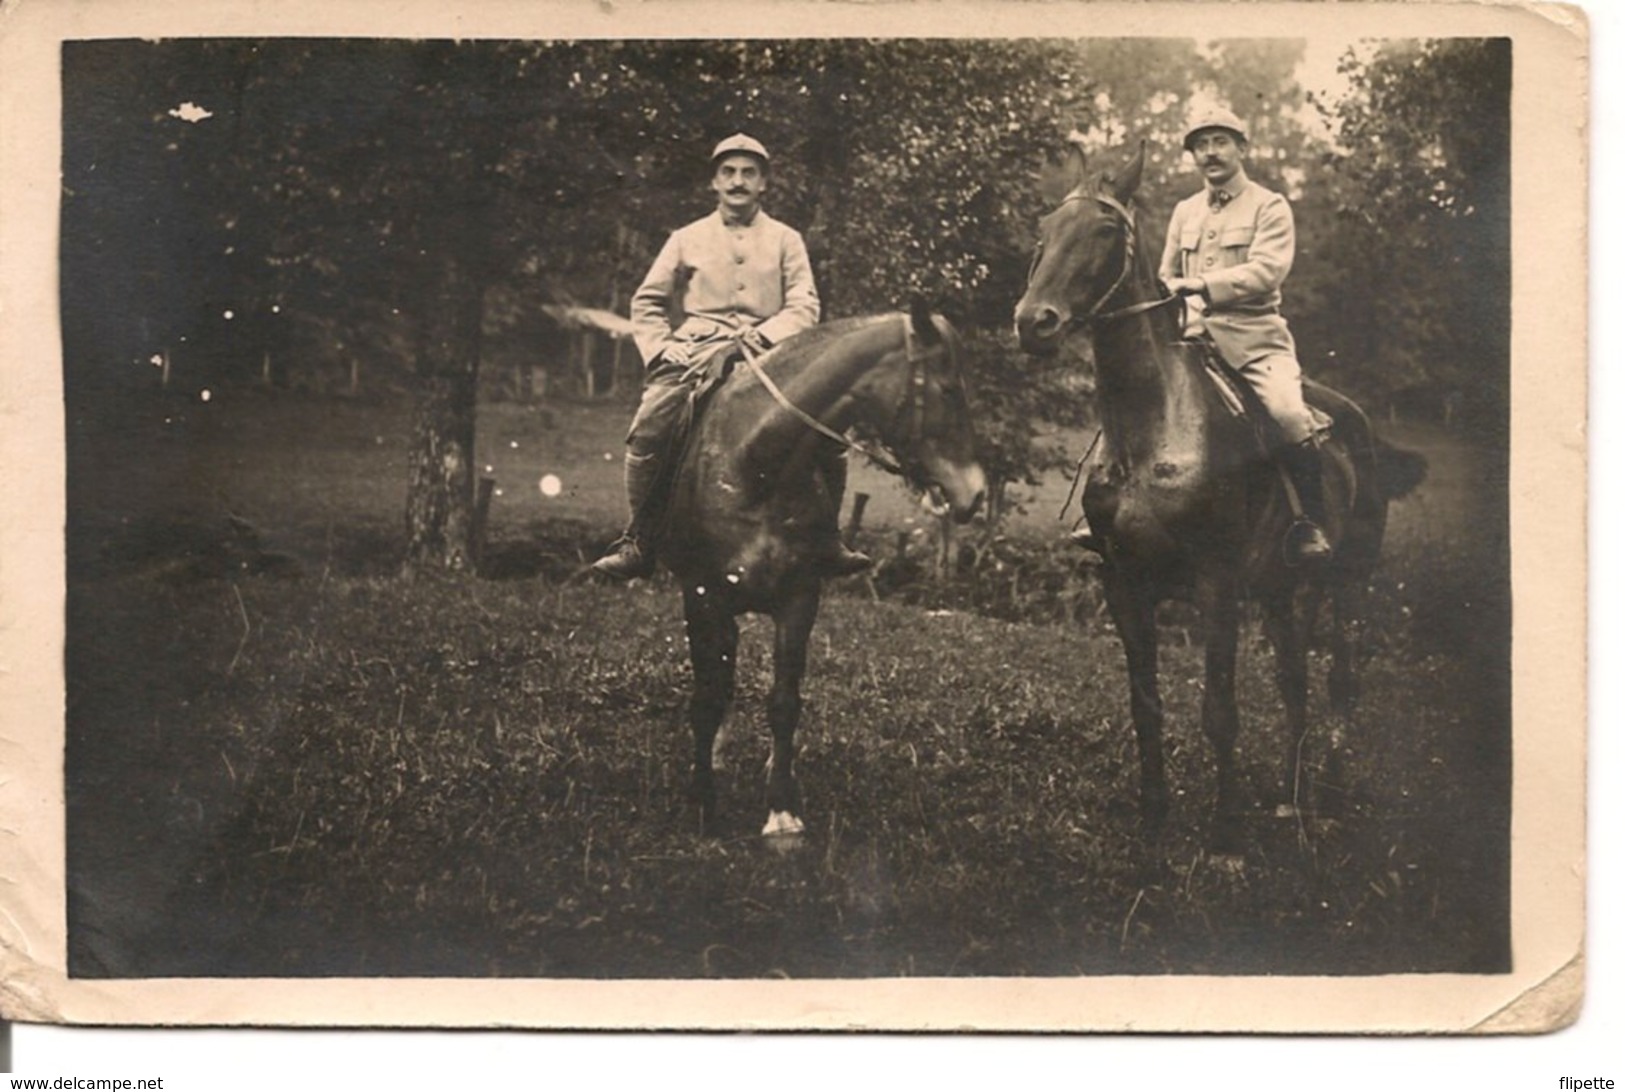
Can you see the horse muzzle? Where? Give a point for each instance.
(1040, 326)
(957, 491)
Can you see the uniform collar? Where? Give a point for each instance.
(730, 220)
(1232, 189)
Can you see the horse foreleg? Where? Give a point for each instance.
(1133, 608)
(713, 640)
(1220, 604)
(792, 627)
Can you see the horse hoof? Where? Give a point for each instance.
(781, 824)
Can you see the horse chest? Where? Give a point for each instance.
(1154, 507)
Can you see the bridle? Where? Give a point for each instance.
(1095, 314)
(912, 406)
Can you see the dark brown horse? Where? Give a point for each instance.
(749, 496)
(1183, 501)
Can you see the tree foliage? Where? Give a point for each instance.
(1423, 216)
(403, 204)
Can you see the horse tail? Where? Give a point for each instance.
(1399, 471)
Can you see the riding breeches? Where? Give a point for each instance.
(1278, 382)
(665, 389)
(1261, 348)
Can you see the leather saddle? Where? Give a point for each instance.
(1237, 394)
(704, 376)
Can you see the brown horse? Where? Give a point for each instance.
(740, 529)
(1183, 501)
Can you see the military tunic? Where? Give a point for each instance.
(713, 280)
(1241, 245)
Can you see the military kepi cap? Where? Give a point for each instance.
(1214, 118)
(740, 144)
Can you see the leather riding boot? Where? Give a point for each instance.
(1306, 540)
(830, 554)
(630, 556)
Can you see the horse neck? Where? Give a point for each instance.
(1150, 403)
(841, 382)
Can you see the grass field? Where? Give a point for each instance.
(284, 759)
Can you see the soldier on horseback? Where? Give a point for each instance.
(733, 282)
(1228, 250)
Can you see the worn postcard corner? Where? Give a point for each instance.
(1547, 1006)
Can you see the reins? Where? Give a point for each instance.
(915, 405)
(1095, 314)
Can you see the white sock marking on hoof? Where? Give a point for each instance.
(780, 823)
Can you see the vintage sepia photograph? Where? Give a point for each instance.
(799, 507)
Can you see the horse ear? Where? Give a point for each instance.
(919, 315)
(1128, 180)
(1076, 159)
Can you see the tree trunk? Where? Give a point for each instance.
(440, 503)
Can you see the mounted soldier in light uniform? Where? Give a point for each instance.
(735, 281)
(1229, 248)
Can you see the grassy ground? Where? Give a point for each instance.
(285, 760)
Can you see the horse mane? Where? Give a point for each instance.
(1165, 320)
(817, 337)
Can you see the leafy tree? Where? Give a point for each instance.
(1423, 204)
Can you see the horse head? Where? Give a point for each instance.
(1085, 253)
(932, 431)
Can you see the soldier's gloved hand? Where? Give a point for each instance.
(755, 342)
(1187, 286)
(678, 353)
